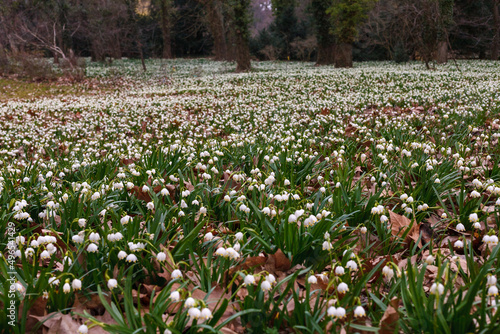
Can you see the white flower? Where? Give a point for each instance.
(292, 218)
(312, 279)
(460, 227)
(83, 329)
(221, 252)
(203, 210)
(476, 225)
(459, 244)
(265, 286)
(270, 278)
(125, 219)
(66, 288)
(492, 280)
(92, 248)
(194, 313)
(209, 236)
(175, 296)
(493, 291)
(239, 236)
(493, 240)
(327, 245)
(190, 302)
(150, 206)
(94, 237)
(473, 217)
(475, 194)
(359, 312)
(206, 314)
(437, 289)
(339, 270)
(249, 280)
(112, 283)
(351, 265)
(82, 222)
(76, 284)
(161, 256)
(331, 311)
(176, 274)
(122, 255)
(363, 229)
(342, 288)
(44, 255)
(430, 259)
(340, 313)
(131, 258)
(53, 281)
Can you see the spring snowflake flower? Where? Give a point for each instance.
(327, 245)
(460, 227)
(150, 206)
(331, 311)
(176, 274)
(122, 255)
(175, 296)
(249, 280)
(221, 252)
(292, 218)
(161, 256)
(53, 281)
(339, 270)
(437, 289)
(44, 255)
(112, 283)
(342, 288)
(312, 279)
(491, 280)
(66, 287)
(270, 278)
(83, 329)
(493, 291)
(383, 219)
(359, 312)
(351, 265)
(125, 220)
(190, 302)
(363, 230)
(459, 244)
(76, 284)
(194, 313)
(82, 222)
(92, 248)
(430, 259)
(340, 313)
(388, 272)
(265, 286)
(206, 314)
(475, 194)
(131, 258)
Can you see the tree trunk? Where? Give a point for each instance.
(242, 53)
(165, 29)
(442, 52)
(495, 47)
(326, 54)
(343, 56)
(216, 24)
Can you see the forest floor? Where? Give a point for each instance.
(293, 198)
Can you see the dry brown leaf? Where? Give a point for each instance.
(400, 225)
(390, 318)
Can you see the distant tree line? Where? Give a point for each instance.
(326, 31)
